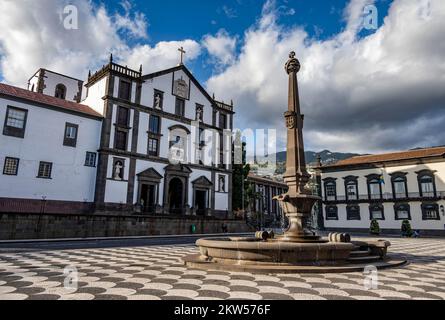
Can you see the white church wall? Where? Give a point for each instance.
(116, 192)
(43, 141)
(52, 79)
(221, 201)
(95, 94)
(113, 128)
(142, 143)
(164, 83)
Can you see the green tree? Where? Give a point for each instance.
(241, 171)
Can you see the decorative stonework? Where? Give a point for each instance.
(181, 89)
(291, 120)
(293, 65)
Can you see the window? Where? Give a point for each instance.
(430, 212)
(70, 138)
(153, 147)
(45, 169)
(222, 121)
(90, 159)
(154, 124)
(376, 212)
(375, 187)
(402, 211)
(399, 186)
(331, 213)
(180, 107)
(11, 166)
(427, 184)
(351, 187)
(123, 116)
(15, 122)
(330, 188)
(124, 90)
(60, 91)
(158, 100)
(120, 141)
(353, 212)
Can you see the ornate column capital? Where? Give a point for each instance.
(292, 65)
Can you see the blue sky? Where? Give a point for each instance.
(170, 20)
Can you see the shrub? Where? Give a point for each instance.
(375, 227)
(407, 231)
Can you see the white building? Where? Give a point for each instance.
(389, 188)
(147, 143)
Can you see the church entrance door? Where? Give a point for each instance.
(201, 202)
(176, 197)
(148, 197)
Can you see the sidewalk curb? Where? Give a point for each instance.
(2, 242)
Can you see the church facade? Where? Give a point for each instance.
(120, 142)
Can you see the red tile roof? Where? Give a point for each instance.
(48, 100)
(396, 156)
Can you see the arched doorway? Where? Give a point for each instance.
(176, 196)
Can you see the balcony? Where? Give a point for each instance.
(388, 197)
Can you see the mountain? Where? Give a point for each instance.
(327, 157)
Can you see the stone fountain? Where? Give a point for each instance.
(299, 249)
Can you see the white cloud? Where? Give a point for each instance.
(381, 92)
(163, 55)
(221, 47)
(32, 36)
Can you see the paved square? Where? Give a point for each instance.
(157, 272)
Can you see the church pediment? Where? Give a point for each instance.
(203, 181)
(178, 168)
(150, 174)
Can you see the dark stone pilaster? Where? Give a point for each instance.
(212, 193)
(134, 146)
(105, 137)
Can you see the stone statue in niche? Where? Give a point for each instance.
(158, 101)
(222, 184)
(199, 113)
(118, 172)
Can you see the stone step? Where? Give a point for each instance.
(360, 253)
(366, 259)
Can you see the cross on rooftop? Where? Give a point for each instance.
(182, 54)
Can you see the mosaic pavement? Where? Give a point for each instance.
(156, 272)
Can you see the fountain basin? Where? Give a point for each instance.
(256, 252)
(259, 256)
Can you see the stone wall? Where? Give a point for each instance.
(21, 226)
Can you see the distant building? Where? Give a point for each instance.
(389, 188)
(267, 189)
